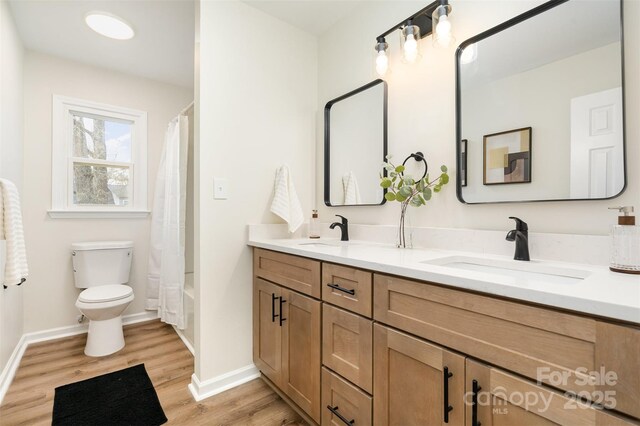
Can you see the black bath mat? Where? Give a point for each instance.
(124, 397)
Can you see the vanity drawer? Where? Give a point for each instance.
(557, 348)
(347, 345)
(347, 287)
(297, 273)
(345, 400)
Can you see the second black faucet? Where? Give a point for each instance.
(344, 228)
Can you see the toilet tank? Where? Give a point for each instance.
(101, 262)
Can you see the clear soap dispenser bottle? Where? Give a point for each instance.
(625, 242)
(314, 225)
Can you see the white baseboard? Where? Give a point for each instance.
(9, 371)
(201, 390)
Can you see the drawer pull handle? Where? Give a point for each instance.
(474, 403)
(335, 412)
(282, 319)
(342, 289)
(273, 307)
(447, 408)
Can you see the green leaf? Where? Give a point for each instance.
(415, 202)
(444, 179)
(443, 168)
(406, 191)
(400, 197)
(400, 169)
(385, 183)
(409, 180)
(437, 188)
(390, 196)
(420, 187)
(427, 194)
(393, 174)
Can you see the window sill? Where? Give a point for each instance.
(98, 214)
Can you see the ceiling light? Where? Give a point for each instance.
(410, 35)
(109, 25)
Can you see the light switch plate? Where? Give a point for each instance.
(220, 188)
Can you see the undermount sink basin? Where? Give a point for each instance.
(538, 271)
(317, 244)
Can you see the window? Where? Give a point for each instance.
(99, 160)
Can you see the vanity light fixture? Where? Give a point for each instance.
(442, 35)
(382, 60)
(109, 25)
(432, 19)
(410, 36)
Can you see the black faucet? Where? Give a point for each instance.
(521, 236)
(344, 228)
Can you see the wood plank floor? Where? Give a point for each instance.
(48, 365)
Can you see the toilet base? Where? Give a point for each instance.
(104, 337)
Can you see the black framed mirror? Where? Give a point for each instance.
(355, 146)
(549, 82)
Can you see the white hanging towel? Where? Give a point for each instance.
(285, 200)
(16, 269)
(351, 190)
(165, 281)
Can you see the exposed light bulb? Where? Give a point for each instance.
(410, 48)
(442, 35)
(382, 63)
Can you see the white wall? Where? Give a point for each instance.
(50, 293)
(256, 103)
(11, 63)
(422, 115)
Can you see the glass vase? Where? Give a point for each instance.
(405, 235)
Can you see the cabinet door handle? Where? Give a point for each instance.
(342, 289)
(335, 412)
(282, 319)
(475, 388)
(447, 408)
(273, 307)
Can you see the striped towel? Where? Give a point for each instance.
(16, 270)
(285, 200)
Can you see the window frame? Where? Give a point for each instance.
(63, 159)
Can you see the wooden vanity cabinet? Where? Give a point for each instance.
(414, 381)
(286, 327)
(540, 343)
(430, 348)
(498, 398)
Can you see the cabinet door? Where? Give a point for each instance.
(301, 351)
(347, 345)
(267, 333)
(411, 385)
(497, 398)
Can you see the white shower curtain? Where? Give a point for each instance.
(165, 283)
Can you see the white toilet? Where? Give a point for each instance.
(103, 268)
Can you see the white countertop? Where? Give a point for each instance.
(602, 292)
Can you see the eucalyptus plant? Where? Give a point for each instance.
(404, 189)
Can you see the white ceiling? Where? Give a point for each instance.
(161, 50)
(312, 16)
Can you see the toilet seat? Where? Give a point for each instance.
(105, 293)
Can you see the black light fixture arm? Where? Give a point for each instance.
(421, 18)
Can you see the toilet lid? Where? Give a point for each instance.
(105, 293)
